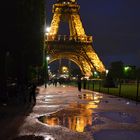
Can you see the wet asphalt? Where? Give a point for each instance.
(64, 113)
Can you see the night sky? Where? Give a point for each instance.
(115, 25)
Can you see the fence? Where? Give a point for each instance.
(122, 89)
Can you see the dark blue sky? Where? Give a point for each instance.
(115, 25)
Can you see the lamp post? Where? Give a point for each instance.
(45, 71)
(46, 59)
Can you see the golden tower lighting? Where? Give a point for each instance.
(77, 46)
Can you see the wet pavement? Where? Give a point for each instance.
(64, 113)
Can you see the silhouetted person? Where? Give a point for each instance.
(60, 81)
(33, 93)
(55, 82)
(84, 83)
(79, 82)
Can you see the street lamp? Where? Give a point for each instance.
(47, 30)
(46, 56)
(106, 72)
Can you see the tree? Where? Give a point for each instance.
(130, 72)
(22, 36)
(116, 70)
(115, 74)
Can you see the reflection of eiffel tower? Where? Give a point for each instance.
(76, 47)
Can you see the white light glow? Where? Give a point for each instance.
(48, 29)
(107, 71)
(47, 58)
(95, 73)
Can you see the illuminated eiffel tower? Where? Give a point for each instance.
(76, 46)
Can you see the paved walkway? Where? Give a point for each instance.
(64, 113)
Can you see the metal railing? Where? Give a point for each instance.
(85, 39)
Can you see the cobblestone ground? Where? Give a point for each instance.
(64, 113)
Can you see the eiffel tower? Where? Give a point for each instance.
(76, 46)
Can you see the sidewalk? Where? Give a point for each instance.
(12, 115)
(64, 113)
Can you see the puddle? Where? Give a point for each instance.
(86, 96)
(74, 119)
(90, 97)
(78, 116)
(120, 117)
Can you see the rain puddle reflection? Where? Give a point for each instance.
(90, 97)
(74, 119)
(78, 116)
(86, 96)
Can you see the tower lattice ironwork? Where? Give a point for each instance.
(77, 46)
